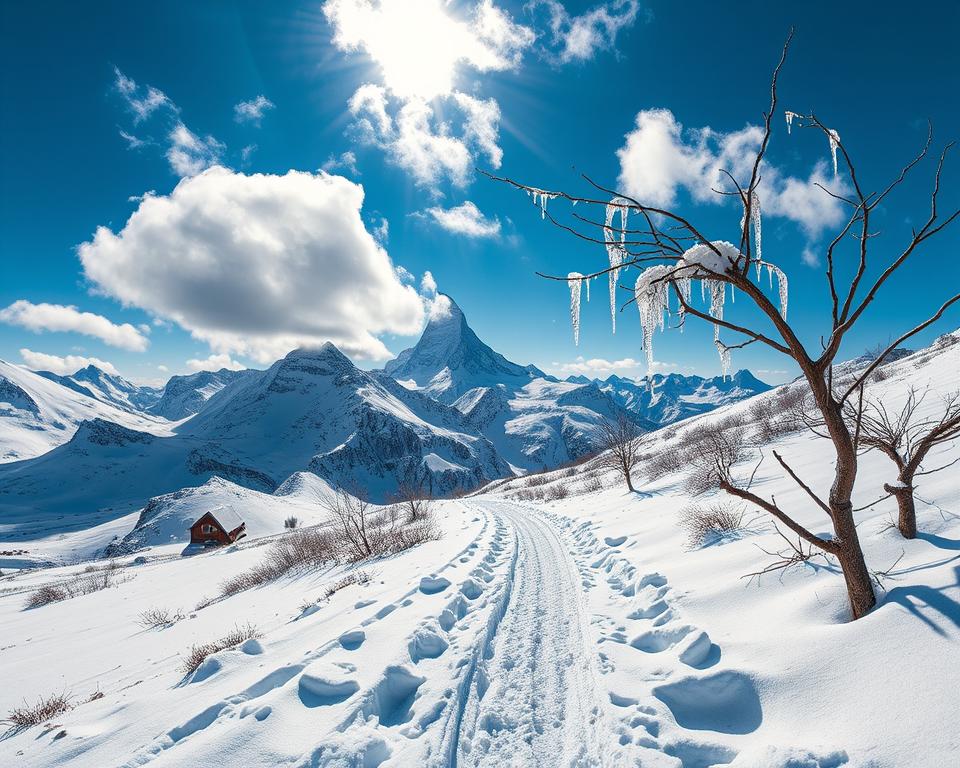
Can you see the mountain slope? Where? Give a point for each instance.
(544, 423)
(38, 413)
(184, 396)
(107, 388)
(449, 359)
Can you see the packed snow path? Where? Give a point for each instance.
(535, 698)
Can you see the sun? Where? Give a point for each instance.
(416, 43)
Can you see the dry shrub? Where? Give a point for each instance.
(711, 456)
(556, 492)
(39, 713)
(94, 579)
(199, 653)
(291, 522)
(535, 480)
(659, 465)
(356, 577)
(298, 550)
(705, 524)
(159, 618)
(593, 484)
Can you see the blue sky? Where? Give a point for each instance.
(103, 104)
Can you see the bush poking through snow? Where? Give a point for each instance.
(39, 713)
(298, 550)
(291, 522)
(158, 618)
(706, 524)
(94, 579)
(199, 653)
(712, 454)
(356, 577)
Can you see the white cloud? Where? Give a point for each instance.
(252, 111)
(143, 102)
(414, 138)
(59, 318)
(465, 219)
(246, 153)
(257, 265)
(578, 38)
(132, 141)
(419, 46)
(346, 161)
(659, 158)
(162, 368)
(63, 366)
(810, 257)
(428, 286)
(381, 230)
(188, 154)
(215, 363)
(597, 367)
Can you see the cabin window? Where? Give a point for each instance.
(207, 528)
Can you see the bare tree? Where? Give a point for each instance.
(349, 517)
(620, 442)
(680, 253)
(415, 500)
(906, 439)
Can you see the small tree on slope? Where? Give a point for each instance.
(906, 439)
(620, 445)
(680, 254)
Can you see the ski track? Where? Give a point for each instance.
(509, 665)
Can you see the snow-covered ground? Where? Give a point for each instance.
(581, 631)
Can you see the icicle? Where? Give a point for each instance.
(770, 274)
(615, 251)
(588, 291)
(783, 290)
(834, 143)
(573, 280)
(651, 292)
(718, 292)
(789, 115)
(540, 198)
(725, 358)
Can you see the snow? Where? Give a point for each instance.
(580, 631)
(38, 414)
(574, 280)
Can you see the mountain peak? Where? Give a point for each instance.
(450, 358)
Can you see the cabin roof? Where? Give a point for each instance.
(226, 517)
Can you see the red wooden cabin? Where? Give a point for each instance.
(218, 526)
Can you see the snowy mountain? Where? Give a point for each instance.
(544, 423)
(107, 388)
(450, 359)
(677, 397)
(38, 412)
(316, 410)
(184, 396)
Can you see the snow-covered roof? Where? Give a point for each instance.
(226, 516)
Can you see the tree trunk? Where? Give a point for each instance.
(859, 584)
(626, 475)
(907, 517)
(855, 573)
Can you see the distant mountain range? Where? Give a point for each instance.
(447, 415)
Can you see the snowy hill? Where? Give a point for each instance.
(587, 630)
(108, 388)
(184, 396)
(38, 413)
(450, 359)
(675, 396)
(167, 519)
